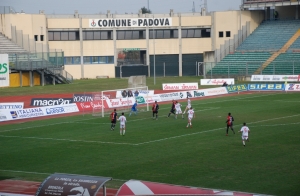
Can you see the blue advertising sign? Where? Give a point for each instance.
(266, 87)
(236, 88)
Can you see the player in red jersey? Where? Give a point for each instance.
(229, 123)
(113, 118)
(155, 108)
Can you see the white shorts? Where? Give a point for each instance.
(122, 126)
(178, 112)
(188, 106)
(244, 137)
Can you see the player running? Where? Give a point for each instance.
(155, 108)
(191, 115)
(178, 110)
(113, 118)
(123, 121)
(229, 123)
(134, 108)
(189, 105)
(172, 109)
(245, 130)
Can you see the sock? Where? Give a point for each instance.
(156, 116)
(130, 114)
(244, 142)
(187, 125)
(169, 114)
(124, 132)
(120, 132)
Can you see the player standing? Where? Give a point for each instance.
(229, 123)
(155, 108)
(178, 110)
(122, 120)
(172, 109)
(191, 115)
(189, 104)
(245, 130)
(113, 118)
(134, 108)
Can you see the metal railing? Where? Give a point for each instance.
(236, 69)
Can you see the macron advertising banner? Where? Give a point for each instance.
(275, 78)
(17, 114)
(217, 81)
(266, 87)
(180, 86)
(4, 70)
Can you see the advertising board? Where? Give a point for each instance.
(180, 86)
(4, 70)
(292, 87)
(266, 87)
(275, 78)
(11, 105)
(217, 81)
(236, 88)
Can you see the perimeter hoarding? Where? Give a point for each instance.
(217, 81)
(180, 86)
(292, 87)
(275, 78)
(4, 70)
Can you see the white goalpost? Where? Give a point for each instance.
(121, 99)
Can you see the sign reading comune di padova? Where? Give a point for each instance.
(129, 22)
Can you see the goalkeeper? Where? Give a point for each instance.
(134, 108)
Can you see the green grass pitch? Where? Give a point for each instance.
(164, 150)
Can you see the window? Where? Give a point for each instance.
(72, 35)
(198, 33)
(221, 34)
(128, 35)
(56, 36)
(42, 37)
(228, 34)
(76, 60)
(89, 35)
(36, 38)
(136, 34)
(110, 60)
(184, 33)
(86, 60)
(50, 36)
(175, 33)
(190, 33)
(95, 60)
(64, 36)
(159, 34)
(97, 35)
(102, 59)
(104, 35)
(205, 33)
(68, 60)
(120, 35)
(167, 34)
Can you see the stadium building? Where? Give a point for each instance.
(45, 48)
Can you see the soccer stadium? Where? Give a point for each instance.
(85, 102)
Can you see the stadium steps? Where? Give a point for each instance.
(285, 64)
(7, 46)
(282, 50)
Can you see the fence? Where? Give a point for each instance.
(236, 69)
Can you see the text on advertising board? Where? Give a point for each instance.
(236, 88)
(130, 22)
(50, 101)
(180, 86)
(265, 86)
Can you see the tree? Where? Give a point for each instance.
(145, 10)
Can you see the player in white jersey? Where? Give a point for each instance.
(123, 121)
(191, 115)
(178, 110)
(245, 130)
(189, 105)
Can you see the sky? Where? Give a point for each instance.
(117, 6)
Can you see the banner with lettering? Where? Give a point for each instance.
(4, 70)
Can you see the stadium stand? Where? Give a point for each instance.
(8, 46)
(266, 44)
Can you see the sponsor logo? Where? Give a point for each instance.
(57, 110)
(256, 78)
(83, 98)
(93, 23)
(140, 100)
(294, 87)
(2, 78)
(266, 78)
(166, 87)
(276, 78)
(114, 102)
(27, 113)
(3, 68)
(50, 102)
(236, 88)
(199, 94)
(181, 95)
(126, 102)
(2, 116)
(14, 114)
(188, 94)
(266, 86)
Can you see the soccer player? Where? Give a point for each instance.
(178, 110)
(155, 108)
(189, 105)
(245, 130)
(113, 118)
(122, 120)
(229, 123)
(172, 109)
(134, 108)
(191, 115)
